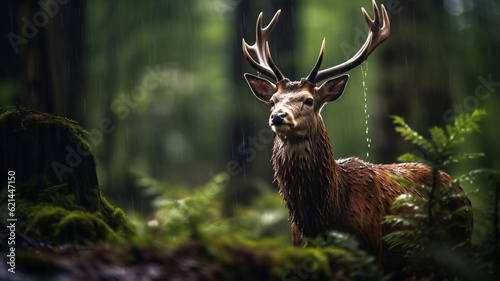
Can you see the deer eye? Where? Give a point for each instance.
(309, 102)
(271, 103)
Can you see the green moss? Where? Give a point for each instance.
(57, 191)
(77, 225)
(114, 217)
(64, 225)
(49, 219)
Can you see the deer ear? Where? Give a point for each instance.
(261, 88)
(332, 89)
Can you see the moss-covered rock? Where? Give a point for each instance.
(57, 223)
(56, 188)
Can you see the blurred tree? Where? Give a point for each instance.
(436, 65)
(46, 39)
(411, 61)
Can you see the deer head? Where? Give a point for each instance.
(296, 105)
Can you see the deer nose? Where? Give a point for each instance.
(278, 118)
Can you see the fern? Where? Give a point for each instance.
(56, 195)
(50, 191)
(66, 201)
(181, 216)
(411, 135)
(362, 263)
(430, 220)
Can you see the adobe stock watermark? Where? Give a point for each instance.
(222, 7)
(75, 157)
(250, 146)
(123, 104)
(301, 271)
(30, 27)
(482, 92)
(122, 107)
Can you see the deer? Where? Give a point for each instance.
(321, 193)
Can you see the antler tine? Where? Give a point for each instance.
(376, 36)
(312, 75)
(265, 63)
(380, 33)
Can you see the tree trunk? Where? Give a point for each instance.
(416, 94)
(48, 37)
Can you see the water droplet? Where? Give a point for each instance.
(364, 73)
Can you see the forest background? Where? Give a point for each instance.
(159, 84)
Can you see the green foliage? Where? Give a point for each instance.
(63, 225)
(74, 124)
(362, 263)
(243, 247)
(488, 233)
(55, 195)
(424, 223)
(440, 147)
(7, 108)
(181, 215)
(193, 214)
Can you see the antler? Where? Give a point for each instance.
(261, 49)
(376, 36)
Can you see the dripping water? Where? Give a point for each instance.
(364, 72)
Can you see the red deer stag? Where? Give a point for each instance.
(322, 194)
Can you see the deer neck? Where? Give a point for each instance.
(307, 177)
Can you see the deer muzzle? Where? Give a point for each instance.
(278, 118)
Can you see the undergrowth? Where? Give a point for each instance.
(195, 219)
(426, 232)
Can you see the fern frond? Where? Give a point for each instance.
(49, 191)
(461, 157)
(411, 135)
(471, 176)
(463, 125)
(404, 183)
(409, 201)
(461, 212)
(410, 157)
(439, 138)
(406, 239)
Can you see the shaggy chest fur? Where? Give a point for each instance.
(303, 171)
